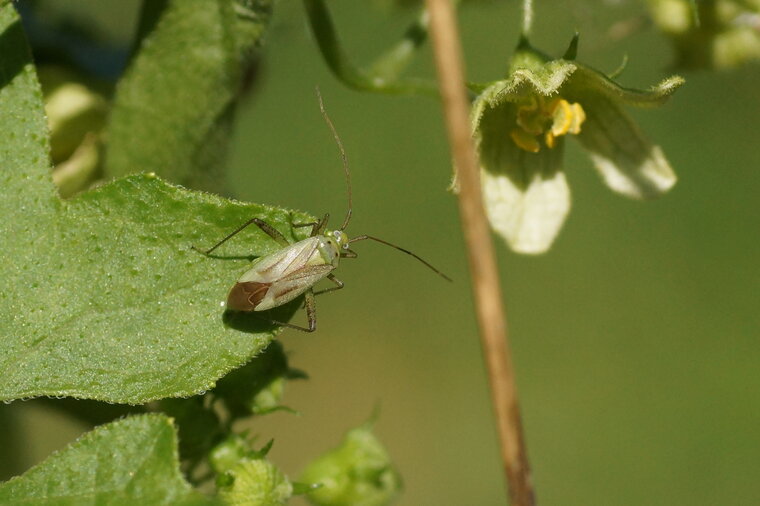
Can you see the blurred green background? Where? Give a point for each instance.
(634, 338)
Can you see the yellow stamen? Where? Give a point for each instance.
(562, 116)
(579, 116)
(549, 138)
(539, 119)
(524, 140)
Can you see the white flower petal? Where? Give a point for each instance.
(528, 217)
(628, 162)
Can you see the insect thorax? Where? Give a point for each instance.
(331, 245)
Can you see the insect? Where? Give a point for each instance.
(280, 277)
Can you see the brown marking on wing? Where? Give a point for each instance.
(247, 295)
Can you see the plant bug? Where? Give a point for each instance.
(280, 277)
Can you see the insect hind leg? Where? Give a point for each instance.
(311, 314)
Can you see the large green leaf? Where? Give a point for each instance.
(131, 461)
(102, 296)
(173, 109)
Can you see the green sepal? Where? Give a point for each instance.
(587, 82)
(572, 49)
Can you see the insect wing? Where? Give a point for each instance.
(275, 266)
(294, 284)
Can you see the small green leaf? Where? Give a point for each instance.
(103, 297)
(174, 107)
(131, 461)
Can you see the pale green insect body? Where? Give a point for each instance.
(280, 277)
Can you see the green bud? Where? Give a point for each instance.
(254, 482)
(227, 454)
(357, 473)
(76, 116)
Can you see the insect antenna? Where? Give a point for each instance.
(342, 156)
(364, 237)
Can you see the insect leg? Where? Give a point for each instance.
(311, 310)
(338, 285)
(311, 315)
(270, 231)
(317, 227)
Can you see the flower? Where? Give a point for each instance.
(520, 125)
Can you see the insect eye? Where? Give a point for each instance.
(345, 246)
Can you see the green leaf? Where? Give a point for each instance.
(131, 461)
(174, 108)
(113, 305)
(103, 298)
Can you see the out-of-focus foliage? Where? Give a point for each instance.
(720, 34)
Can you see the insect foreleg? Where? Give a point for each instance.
(269, 230)
(230, 236)
(338, 285)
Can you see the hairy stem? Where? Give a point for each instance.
(485, 277)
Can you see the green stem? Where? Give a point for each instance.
(382, 75)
